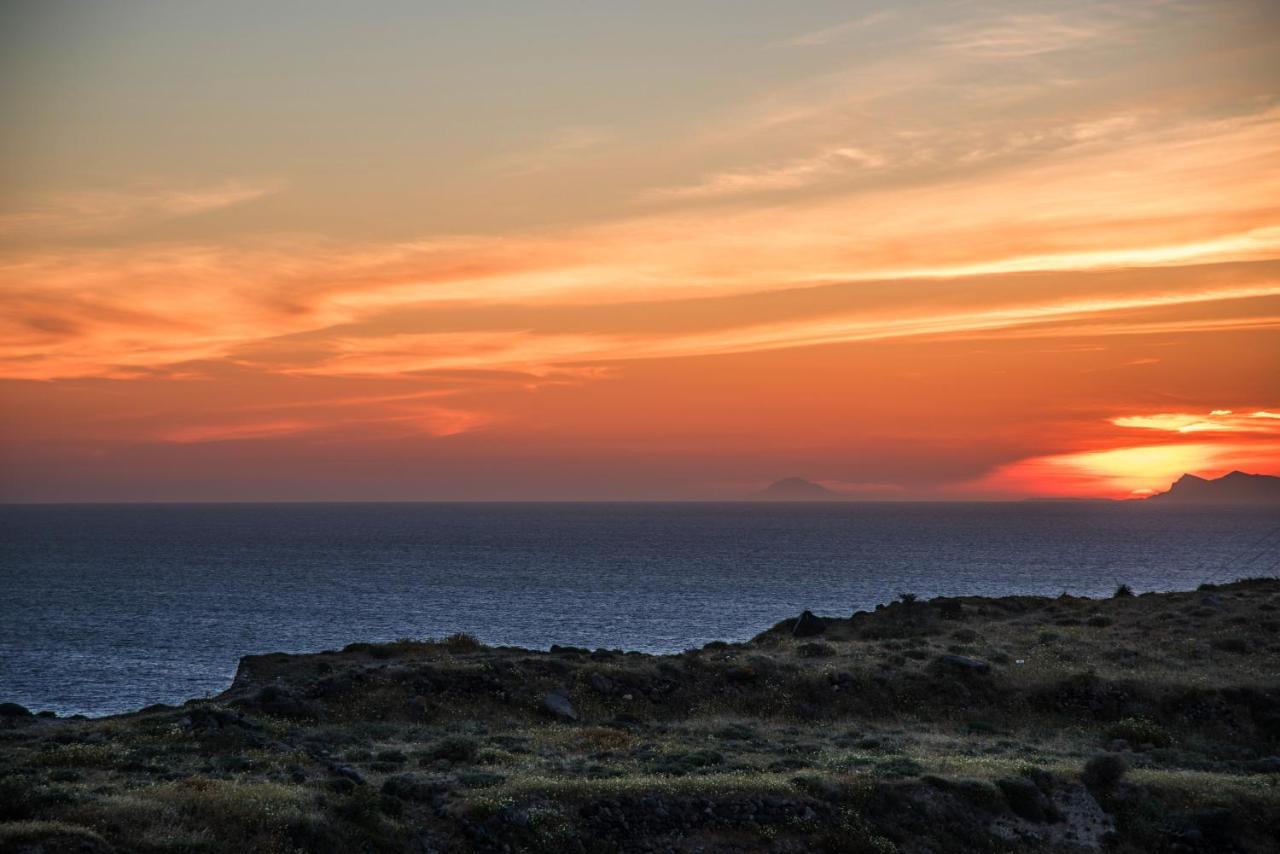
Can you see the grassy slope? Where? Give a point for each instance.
(865, 738)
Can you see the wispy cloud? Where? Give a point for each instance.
(554, 150)
(94, 211)
(794, 174)
(1020, 36)
(837, 32)
(1217, 421)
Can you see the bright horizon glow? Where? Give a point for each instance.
(912, 250)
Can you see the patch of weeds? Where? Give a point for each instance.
(815, 650)
(735, 732)
(1140, 731)
(462, 642)
(454, 748)
(898, 766)
(480, 779)
(76, 755)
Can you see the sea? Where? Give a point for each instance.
(108, 608)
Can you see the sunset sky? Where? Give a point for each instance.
(331, 250)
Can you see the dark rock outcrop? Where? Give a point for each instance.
(807, 626)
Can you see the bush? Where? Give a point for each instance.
(1124, 591)
(462, 642)
(815, 650)
(950, 609)
(1104, 771)
(455, 748)
(1139, 731)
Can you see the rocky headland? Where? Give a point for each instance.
(1136, 723)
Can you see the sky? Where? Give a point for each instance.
(334, 250)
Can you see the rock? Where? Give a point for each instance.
(414, 787)
(1026, 799)
(964, 664)
(346, 772)
(558, 706)
(283, 703)
(202, 719)
(807, 626)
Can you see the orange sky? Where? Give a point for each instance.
(909, 250)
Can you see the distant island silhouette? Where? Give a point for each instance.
(1235, 488)
(797, 489)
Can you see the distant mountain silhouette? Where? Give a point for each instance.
(797, 489)
(1235, 488)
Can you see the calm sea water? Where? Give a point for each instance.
(108, 608)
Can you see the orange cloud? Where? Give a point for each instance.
(1217, 421)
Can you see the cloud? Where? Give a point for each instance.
(1028, 35)
(1217, 421)
(95, 211)
(557, 149)
(837, 32)
(803, 172)
(434, 421)
(1180, 199)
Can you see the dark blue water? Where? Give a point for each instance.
(108, 608)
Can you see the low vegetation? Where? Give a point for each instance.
(1134, 723)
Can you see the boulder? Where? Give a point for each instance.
(558, 706)
(415, 787)
(964, 664)
(807, 626)
(1027, 800)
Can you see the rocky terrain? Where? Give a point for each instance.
(1139, 723)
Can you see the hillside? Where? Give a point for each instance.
(797, 489)
(1134, 724)
(1234, 488)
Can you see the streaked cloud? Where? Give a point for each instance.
(838, 32)
(1217, 421)
(95, 211)
(794, 174)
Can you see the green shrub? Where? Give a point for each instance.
(815, 650)
(455, 748)
(1138, 731)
